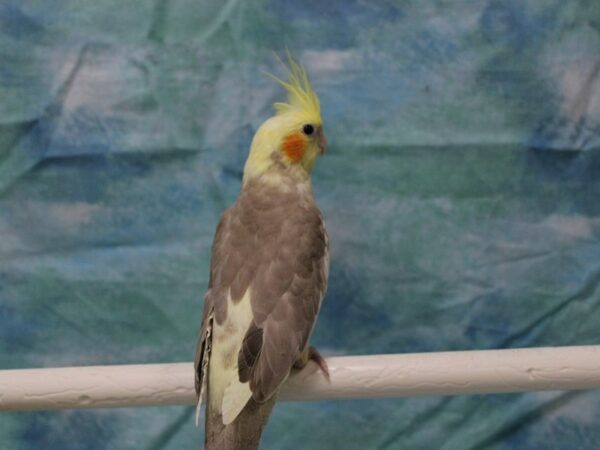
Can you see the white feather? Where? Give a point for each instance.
(236, 396)
(226, 394)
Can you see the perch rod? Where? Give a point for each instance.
(376, 376)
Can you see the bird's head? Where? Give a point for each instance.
(293, 137)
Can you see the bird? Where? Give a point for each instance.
(268, 275)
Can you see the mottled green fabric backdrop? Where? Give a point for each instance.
(461, 192)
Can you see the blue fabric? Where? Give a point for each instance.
(460, 192)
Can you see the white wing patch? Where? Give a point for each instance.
(236, 396)
(226, 394)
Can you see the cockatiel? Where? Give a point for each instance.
(268, 275)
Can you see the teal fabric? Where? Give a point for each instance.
(461, 193)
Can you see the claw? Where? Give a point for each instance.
(312, 354)
(315, 356)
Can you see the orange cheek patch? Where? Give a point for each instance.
(293, 146)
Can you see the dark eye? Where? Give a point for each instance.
(308, 129)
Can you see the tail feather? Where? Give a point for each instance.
(243, 433)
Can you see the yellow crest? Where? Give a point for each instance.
(301, 96)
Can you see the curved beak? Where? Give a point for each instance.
(321, 141)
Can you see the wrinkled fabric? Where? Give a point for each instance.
(460, 190)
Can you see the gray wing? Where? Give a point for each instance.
(286, 294)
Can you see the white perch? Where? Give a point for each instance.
(377, 376)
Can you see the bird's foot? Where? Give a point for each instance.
(315, 356)
(312, 354)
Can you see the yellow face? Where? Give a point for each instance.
(302, 145)
(293, 140)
